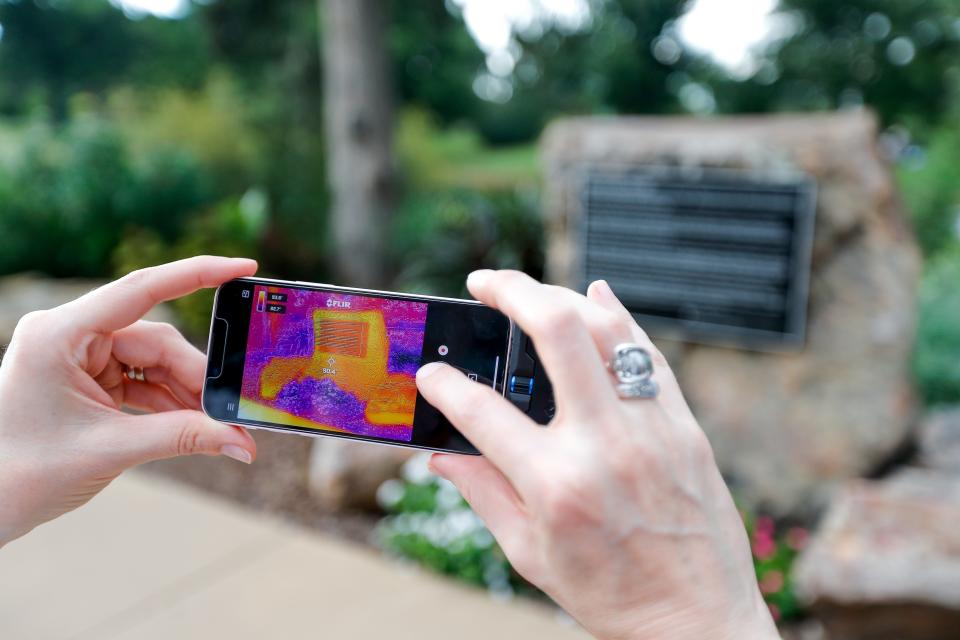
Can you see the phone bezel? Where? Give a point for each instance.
(319, 433)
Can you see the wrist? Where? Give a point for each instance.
(13, 523)
(751, 622)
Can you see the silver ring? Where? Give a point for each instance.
(633, 368)
(136, 373)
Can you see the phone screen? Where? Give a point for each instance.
(344, 362)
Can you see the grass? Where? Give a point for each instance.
(457, 157)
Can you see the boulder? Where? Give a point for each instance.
(345, 474)
(788, 426)
(938, 440)
(885, 564)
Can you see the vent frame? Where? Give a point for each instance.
(795, 249)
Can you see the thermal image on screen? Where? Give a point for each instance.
(332, 361)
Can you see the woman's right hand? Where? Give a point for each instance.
(616, 509)
(64, 434)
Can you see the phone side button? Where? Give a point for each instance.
(217, 348)
(521, 400)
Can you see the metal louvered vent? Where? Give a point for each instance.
(714, 255)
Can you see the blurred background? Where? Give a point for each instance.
(401, 144)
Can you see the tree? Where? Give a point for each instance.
(607, 66)
(359, 115)
(52, 50)
(434, 58)
(896, 56)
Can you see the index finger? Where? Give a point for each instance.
(558, 330)
(497, 428)
(121, 303)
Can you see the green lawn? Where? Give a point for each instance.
(458, 158)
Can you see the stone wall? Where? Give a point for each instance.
(784, 426)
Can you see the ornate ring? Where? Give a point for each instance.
(633, 367)
(136, 373)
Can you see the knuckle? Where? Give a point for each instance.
(33, 322)
(188, 442)
(525, 561)
(556, 322)
(570, 501)
(169, 330)
(137, 278)
(475, 405)
(142, 281)
(40, 326)
(628, 464)
(614, 325)
(509, 277)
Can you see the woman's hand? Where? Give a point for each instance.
(63, 436)
(616, 509)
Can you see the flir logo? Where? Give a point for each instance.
(341, 304)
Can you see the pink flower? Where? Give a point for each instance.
(763, 545)
(765, 524)
(772, 582)
(797, 538)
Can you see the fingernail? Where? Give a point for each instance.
(428, 369)
(237, 453)
(479, 278)
(603, 288)
(436, 463)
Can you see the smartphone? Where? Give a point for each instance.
(319, 359)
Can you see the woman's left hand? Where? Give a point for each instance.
(63, 385)
(616, 509)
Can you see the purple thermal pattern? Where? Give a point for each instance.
(289, 369)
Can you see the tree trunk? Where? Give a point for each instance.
(358, 111)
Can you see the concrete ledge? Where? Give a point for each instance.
(151, 558)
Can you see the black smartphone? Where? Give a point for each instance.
(318, 359)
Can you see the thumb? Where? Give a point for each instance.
(182, 433)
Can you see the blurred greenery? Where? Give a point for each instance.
(929, 180)
(429, 523)
(465, 206)
(230, 228)
(128, 126)
(900, 57)
(774, 550)
(67, 193)
(936, 363)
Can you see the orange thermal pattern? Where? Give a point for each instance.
(352, 349)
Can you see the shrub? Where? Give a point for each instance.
(936, 362)
(210, 125)
(430, 523)
(68, 195)
(233, 228)
(439, 237)
(773, 558)
(928, 178)
(432, 158)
